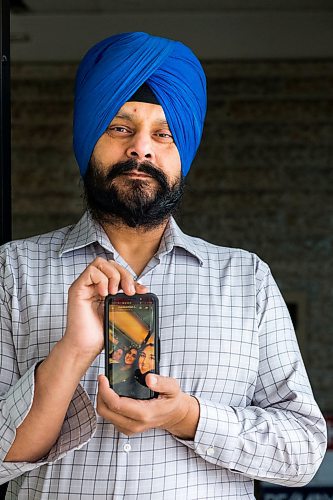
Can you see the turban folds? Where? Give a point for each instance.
(111, 72)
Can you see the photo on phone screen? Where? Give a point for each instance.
(131, 343)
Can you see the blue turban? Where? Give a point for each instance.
(113, 69)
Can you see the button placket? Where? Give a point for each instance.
(127, 447)
(210, 451)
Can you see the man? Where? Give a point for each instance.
(235, 403)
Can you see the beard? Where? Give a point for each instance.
(136, 203)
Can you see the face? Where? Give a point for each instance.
(140, 131)
(134, 173)
(116, 355)
(147, 359)
(130, 356)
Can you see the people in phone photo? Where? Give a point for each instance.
(147, 358)
(116, 355)
(130, 382)
(129, 358)
(124, 370)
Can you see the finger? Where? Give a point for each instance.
(118, 276)
(106, 397)
(166, 386)
(134, 409)
(101, 270)
(140, 288)
(99, 280)
(103, 382)
(123, 424)
(92, 282)
(114, 409)
(106, 393)
(138, 410)
(127, 283)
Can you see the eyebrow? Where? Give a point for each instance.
(131, 117)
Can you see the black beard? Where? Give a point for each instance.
(139, 206)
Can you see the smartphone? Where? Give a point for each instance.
(131, 343)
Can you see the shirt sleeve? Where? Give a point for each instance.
(281, 437)
(16, 397)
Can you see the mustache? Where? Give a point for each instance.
(134, 207)
(144, 167)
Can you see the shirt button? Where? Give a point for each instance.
(210, 451)
(127, 448)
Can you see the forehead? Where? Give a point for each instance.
(139, 111)
(148, 349)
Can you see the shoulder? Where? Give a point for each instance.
(22, 257)
(220, 257)
(48, 242)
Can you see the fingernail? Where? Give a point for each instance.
(153, 380)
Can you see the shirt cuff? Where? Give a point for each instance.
(15, 408)
(217, 434)
(78, 427)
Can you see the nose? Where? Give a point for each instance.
(141, 147)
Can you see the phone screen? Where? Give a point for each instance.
(132, 343)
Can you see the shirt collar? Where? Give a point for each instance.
(174, 237)
(87, 232)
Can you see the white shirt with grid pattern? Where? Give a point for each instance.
(226, 336)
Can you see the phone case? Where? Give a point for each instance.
(132, 347)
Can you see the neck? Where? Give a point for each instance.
(135, 245)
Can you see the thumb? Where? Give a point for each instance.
(164, 385)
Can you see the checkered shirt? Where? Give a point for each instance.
(226, 336)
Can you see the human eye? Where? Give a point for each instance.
(164, 135)
(117, 130)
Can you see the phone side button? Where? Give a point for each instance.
(127, 447)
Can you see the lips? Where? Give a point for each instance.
(141, 175)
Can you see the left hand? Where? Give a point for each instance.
(173, 410)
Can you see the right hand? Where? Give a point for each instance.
(84, 331)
